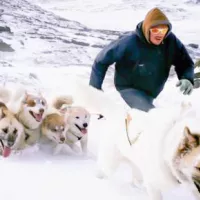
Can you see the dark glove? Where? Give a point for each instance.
(185, 86)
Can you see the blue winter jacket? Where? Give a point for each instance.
(141, 65)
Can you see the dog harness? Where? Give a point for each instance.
(127, 122)
(79, 138)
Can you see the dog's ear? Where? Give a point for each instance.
(189, 141)
(2, 113)
(25, 96)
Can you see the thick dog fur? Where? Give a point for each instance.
(31, 114)
(29, 109)
(62, 100)
(164, 150)
(53, 132)
(78, 119)
(11, 131)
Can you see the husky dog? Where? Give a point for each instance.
(11, 131)
(31, 113)
(53, 131)
(164, 150)
(54, 126)
(29, 109)
(78, 119)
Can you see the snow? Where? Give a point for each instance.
(39, 176)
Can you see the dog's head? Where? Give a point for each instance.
(10, 131)
(34, 109)
(188, 156)
(54, 128)
(78, 119)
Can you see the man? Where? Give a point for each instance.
(142, 62)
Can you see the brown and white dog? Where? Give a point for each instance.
(163, 149)
(53, 132)
(11, 131)
(54, 126)
(31, 113)
(29, 109)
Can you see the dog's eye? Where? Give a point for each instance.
(77, 117)
(62, 128)
(42, 102)
(5, 130)
(15, 131)
(55, 129)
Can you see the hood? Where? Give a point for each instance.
(154, 17)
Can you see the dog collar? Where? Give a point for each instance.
(26, 136)
(79, 138)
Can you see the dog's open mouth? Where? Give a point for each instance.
(36, 116)
(6, 151)
(82, 130)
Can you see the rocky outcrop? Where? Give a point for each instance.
(41, 38)
(32, 36)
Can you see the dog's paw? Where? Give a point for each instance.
(76, 149)
(59, 148)
(56, 151)
(84, 152)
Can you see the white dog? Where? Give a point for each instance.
(163, 150)
(77, 120)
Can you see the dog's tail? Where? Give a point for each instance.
(62, 100)
(5, 94)
(97, 101)
(18, 95)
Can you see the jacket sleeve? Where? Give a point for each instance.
(109, 55)
(184, 65)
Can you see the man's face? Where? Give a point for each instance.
(157, 34)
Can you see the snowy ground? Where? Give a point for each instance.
(38, 176)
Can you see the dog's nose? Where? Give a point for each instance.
(11, 140)
(41, 110)
(85, 125)
(62, 139)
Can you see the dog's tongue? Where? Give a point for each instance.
(38, 117)
(6, 151)
(84, 130)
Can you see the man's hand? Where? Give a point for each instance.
(185, 86)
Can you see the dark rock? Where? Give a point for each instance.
(45, 39)
(195, 46)
(5, 29)
(5, 47)
(72, 41)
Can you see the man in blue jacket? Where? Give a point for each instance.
(143, 60)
